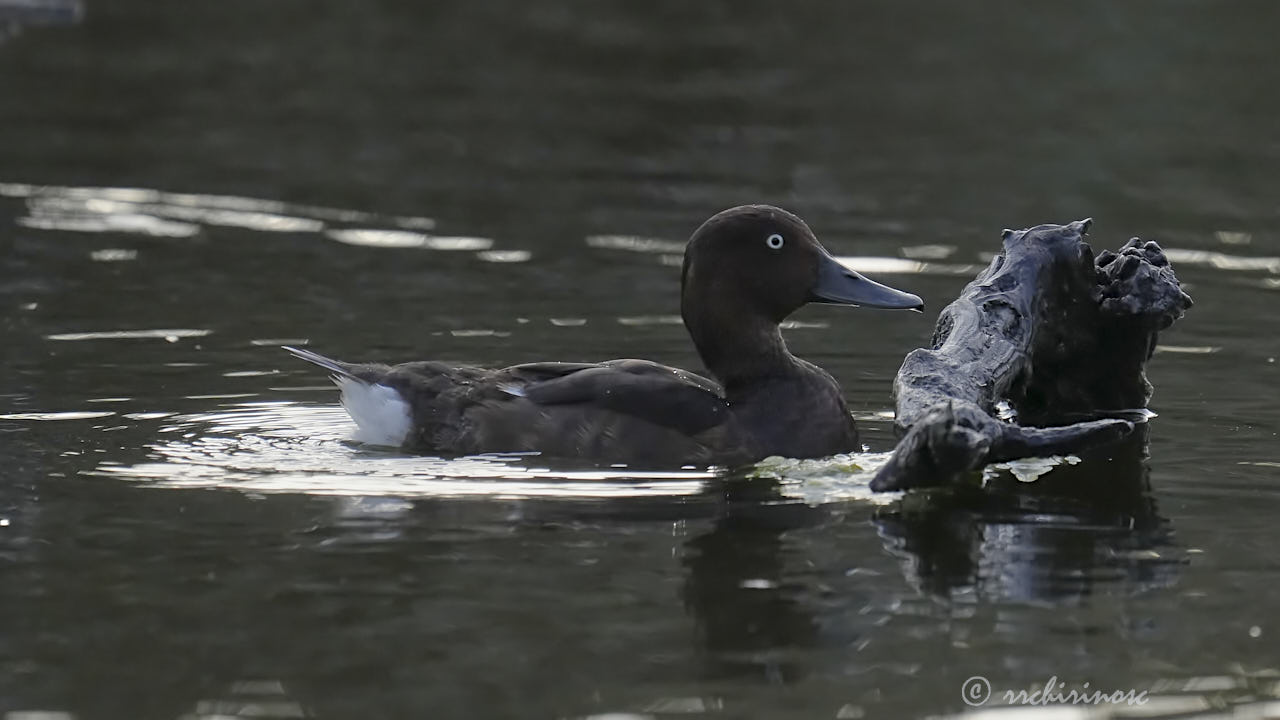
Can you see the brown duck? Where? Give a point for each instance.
(745, 270)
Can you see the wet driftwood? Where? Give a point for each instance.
(1047, 334)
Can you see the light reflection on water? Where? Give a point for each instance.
(282, 446)
(1224, 261)
(110, 200)
(158, 213)
(291, 447)
(168, 334)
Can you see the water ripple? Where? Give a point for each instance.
(55, 416)
(1223, 261)
(634, 243)
(292, 447)
(168, 214)
(904, 266)
(170, 334)
(297, 448)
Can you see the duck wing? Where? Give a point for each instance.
(669, 397)
(631, 412)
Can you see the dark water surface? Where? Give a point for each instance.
(185, 532)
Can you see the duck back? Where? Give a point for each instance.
(631, 412)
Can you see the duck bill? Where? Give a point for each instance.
(838, 285)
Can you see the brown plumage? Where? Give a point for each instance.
(745, 270)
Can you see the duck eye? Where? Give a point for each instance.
(774, 241)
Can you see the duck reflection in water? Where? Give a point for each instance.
(747, 608)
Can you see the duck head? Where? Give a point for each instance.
(745, 270)
(765, 261)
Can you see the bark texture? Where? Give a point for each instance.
(1044, 337)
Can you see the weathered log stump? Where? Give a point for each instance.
(1046, 335)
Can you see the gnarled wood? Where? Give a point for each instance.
(1048, 330)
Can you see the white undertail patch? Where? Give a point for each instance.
(381, 414)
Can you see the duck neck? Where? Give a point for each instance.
(739, 348)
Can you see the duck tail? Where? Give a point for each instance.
(380, 412)
(339, 369)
